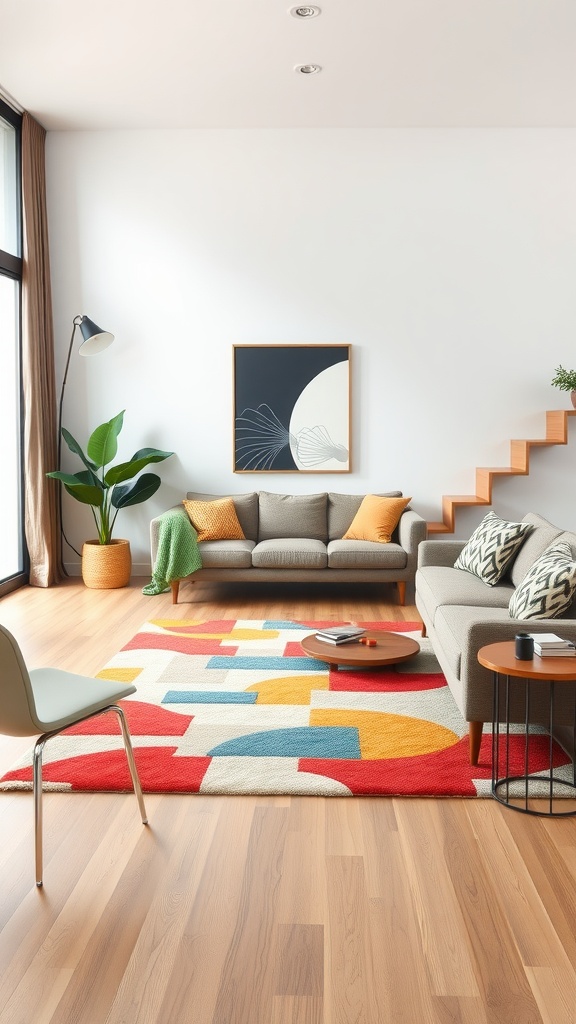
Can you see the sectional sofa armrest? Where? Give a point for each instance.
(411, 532)
(439, 552)
(482, 632)
(155, 529)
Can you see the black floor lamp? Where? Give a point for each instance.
(95, 341)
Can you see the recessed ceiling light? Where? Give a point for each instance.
(308, 69)
(304, 12)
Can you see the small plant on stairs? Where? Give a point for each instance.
(565, 380)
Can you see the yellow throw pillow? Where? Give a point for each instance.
(376, 519)
(214, 520)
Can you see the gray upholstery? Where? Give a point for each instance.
(365, 554)
(298, 549)
(461, 614)
(292, 515)
(290, 553)
(233, 554)
(439, 585)
(455, 623)
(439, 552)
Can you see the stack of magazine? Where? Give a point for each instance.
(548, 645)
(340, 634)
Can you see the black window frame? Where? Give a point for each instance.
(11, 267)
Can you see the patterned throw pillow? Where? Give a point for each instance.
(492, 547)
(548, 588)
(214, 520)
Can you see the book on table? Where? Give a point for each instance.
(340, 634)
(556, 652)
(544, 641)
(345, 640)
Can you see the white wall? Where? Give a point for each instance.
(446, 258)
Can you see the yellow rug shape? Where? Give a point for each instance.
(383, 735)
(289, 689)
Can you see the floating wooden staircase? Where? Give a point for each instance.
(556, 433)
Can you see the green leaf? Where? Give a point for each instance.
(144, 487)
(85, 493)
(103, 443)
(126, 470)
(75, 447)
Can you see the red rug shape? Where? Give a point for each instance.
(235, 706)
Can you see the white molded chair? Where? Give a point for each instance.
(48, 700)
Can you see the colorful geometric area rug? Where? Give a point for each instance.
(236, 707)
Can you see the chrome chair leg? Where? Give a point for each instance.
(131, 761)
(37, 779)
(37, 786)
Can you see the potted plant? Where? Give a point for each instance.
(565, 380)
(106, 563)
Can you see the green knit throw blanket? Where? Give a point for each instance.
(178, 554)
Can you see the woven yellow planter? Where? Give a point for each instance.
(106, 566)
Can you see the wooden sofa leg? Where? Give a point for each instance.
(401, 584)
(475, 737)
(175, 587)
(424, 633)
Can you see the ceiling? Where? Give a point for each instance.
(230, 63)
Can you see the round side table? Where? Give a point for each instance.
(508, 671)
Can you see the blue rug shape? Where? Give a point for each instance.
(264, 664)
(327, 741)
(282, 624)
(210, 697)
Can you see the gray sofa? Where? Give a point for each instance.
(461, 614)
(298, 537)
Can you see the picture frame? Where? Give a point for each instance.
(292, 407)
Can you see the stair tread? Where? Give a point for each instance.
(556, 433)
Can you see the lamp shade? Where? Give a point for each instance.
(95, 339)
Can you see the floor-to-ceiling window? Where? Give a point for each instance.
(13, 562)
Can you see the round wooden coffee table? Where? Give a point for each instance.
(390, 648)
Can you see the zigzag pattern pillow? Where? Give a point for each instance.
(492, 547)
(548, 587)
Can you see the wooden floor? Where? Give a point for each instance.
(271, 910)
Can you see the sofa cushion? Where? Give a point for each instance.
(548, 588)
(539, 538)
(438, 585)
(492, 547)
(246, 506)
(226, 554)
(343, 507)
(290, 553)
(214, 520)
(292, 515)
(365, 554)
(376, 519)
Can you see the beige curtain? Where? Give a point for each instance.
(41, 515)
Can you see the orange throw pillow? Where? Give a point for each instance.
(376, 519)
(214, 520)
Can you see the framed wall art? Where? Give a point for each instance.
(291, 408)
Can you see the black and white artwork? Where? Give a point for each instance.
(292, 408)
